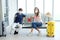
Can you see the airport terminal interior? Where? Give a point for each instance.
(26, 14)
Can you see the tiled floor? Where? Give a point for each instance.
(23, 35)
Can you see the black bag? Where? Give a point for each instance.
(15, 32)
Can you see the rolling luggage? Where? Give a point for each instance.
(50, 29)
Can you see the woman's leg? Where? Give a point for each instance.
(38, 30)
(38, 25)
(32, 30)
(33, 26)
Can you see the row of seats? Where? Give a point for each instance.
(27, 24)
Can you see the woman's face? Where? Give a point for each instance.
(36, 11)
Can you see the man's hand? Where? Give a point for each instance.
(24, 18)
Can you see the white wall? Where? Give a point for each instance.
(0, 17)
(12, 9)
(0, 10)
(12, 4)
(3, 8)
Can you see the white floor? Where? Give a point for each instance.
(23, 35)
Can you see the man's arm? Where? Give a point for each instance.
(24, 16)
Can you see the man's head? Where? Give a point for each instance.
(20, 10)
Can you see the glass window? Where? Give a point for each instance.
(30, 6)
(39, 4)
(48, 6)
(43, 5)
(56, 10)
(22, 4)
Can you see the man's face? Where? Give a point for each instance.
(20, 12)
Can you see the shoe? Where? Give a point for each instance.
(30, 34)
(15, 33)
(39, 34)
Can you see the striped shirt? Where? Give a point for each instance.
(37, 19)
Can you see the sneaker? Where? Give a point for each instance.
(30, 34)
(15, 33)
(38, 34)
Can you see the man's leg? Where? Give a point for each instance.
(13, 27)
(20, 28)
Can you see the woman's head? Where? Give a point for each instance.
(36, 11)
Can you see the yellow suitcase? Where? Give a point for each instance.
(50, 29)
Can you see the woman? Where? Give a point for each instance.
(37, 21)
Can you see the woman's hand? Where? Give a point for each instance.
(31, 17)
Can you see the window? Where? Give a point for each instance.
(44, 6)
(56, 10)
(5, 10)
(22, 4)
(30, 6)
(48, 6)
(39, 4)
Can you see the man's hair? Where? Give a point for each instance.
(20, 9)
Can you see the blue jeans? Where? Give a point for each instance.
(36, 24)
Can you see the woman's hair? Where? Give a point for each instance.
(20, 9)
(37, 12)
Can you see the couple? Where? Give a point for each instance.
(35, 24)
